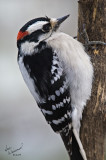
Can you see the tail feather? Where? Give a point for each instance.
(73, 144)
(78, 152)
(66, 136)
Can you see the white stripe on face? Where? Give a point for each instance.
(36, 26)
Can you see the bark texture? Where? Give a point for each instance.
(92, 13)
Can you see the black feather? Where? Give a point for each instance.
(71, 146)
(76, 155)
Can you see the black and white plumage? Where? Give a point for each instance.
(59, 75)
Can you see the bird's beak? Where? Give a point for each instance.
(62, 19)
(55, 23)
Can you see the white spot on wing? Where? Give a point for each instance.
(57, 92)
(53, 97)
(68, 99)
(49, 98)
(64, 100)
(58, 68)
(65, 116)
(57, 106)
(55, 78)
(55, 62)
(58, 76)
(53, 107)
(47, 112)
(58, 121)
(61, 104)
(52, 81)
(61, 90)
(53, 69)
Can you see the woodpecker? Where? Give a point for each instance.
(59, 74)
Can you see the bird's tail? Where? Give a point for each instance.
(73, 144)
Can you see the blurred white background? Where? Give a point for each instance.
(21, 122)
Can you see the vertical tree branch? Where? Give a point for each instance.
(93, 127)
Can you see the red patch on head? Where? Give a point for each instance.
(21, 35)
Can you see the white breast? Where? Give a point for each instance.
(77, 67)
(76, 64)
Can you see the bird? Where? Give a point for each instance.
(59, 75)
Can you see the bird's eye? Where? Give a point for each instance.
(46, 28)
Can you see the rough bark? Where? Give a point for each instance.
(92, 13)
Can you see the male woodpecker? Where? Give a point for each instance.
(59, 74)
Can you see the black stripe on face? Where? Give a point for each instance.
(33, 37)
(46, 28)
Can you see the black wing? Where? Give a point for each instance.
(50, 80)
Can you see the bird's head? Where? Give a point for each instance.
(39, 29)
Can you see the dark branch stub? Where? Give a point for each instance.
(88, 44)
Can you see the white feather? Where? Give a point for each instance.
(80, 144)
(47, 112)
(28, 48)
(78, 69)
(58, 121)
(36, 26)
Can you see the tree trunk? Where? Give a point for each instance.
(92, 13)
